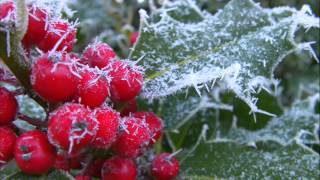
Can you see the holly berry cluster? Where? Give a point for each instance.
(92, 124)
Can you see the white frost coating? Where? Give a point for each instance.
(293, 125)
(240, 52)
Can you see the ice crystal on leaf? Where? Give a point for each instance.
(239, 45)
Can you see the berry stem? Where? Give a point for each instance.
(12, 54)
(35, 122)
(21, 18)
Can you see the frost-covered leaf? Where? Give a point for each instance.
(268, 160)
(240, 45)
(298, 123)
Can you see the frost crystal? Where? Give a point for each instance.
(240, 46)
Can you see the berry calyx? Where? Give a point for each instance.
(93, 89)
(134, 37)
(71, 127)
(54, 78)
(98, 55)
(33, 153)
(118, 168)
(9, 106)
(165, 167)
(61, 34)
(154, 123)
(133, 138)
(7, 142)
(126, 81)
(108, 128)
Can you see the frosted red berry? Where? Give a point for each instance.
(53, 78)
(93, 89)
(98, 55)
(165, 167)
(154, 124)
(37, 26)
(7, 11)
(8, 106)
(7, 142)
(109, 122)
(126, 81)
(33, 153)
(134, 37)
(94, 168)
(119, 168)
(71, 127)
(133, 139)
(59, 32)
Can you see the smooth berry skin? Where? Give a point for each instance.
(109, 123)
(117, 168)
(92, 90)
(36, 26)
(94, 169)
(165, 167)
(83, 178)
(54, 81)
(98, 55)
(133, 139)
(71, 127)
(134, 37)
(128, 107)
(56, 31)
(7, 11)
(33, 153)
(9, 106)
(7, 141)
(126, 83)
(154, 123)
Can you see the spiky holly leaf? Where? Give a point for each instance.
(240, 45)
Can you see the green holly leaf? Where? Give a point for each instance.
(225, 160)
(239, 46)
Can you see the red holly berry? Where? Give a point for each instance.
(33, 153)
(165, 167)
(9, 106)
(98, 54)
(126, 82)
(133, 139)
(128, 107)
(54, 78)
(93, 89)
(118, 168)
(134, 37)
(7, 11)
(108, 128)
(83, 177)
(59, 32)
(75, 162)
(154, 124)
(7, 142)
(36, 26)
(71, 127)
(94, 168)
